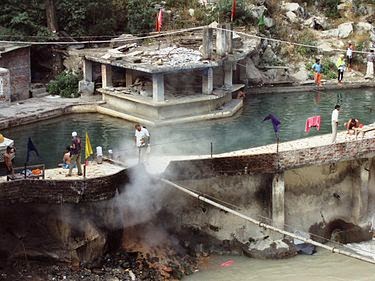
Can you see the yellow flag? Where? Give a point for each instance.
(88, 148)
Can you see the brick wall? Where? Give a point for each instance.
(62, 191)
(18, 64)
(269, 162)
(328, 154)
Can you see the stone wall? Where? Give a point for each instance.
(328, 153)
(62, 191)
(271, 162)
(4, 85)
(315, 196)
(18, 64)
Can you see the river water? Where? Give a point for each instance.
(322, 266)
(244, 130)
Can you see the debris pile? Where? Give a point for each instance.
(124, 266)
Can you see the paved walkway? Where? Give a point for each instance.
(37, 108)
(93, 170)
(157, 164)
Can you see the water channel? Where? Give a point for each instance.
(244, 130)
(322, 266)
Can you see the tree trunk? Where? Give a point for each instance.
(51, 16)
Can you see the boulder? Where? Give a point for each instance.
(256, 11)
(269, 57)
(253, 74)
(86, 88)
(330, 33)
(269, 22)
(271, 249)
(324, 46)
(302, 74)
(291, 7)
(292, 17)
(363, 27)
(345, 29)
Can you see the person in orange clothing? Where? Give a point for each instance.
(318, 69)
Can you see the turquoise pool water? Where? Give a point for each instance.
(244, 130)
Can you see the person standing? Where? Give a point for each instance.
(335, 122)
(142, 141)
(370, 65)
(75, 152)
(349, 55)
(8, 157)
(318, 68)
(340, 64)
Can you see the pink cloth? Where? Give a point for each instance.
(312, 122)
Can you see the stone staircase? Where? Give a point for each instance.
(38, 90)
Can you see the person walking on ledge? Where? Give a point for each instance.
(335, 122)
(142, 142)
(340, 68)
(75, 152)
(370, 65)
(318, 68)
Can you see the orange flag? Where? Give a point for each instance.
(233, 10)
(159, 20)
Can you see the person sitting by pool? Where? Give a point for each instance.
(8, 157)
(241, 95)
(351, 125)
(67, 158)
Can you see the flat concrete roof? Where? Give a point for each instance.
(8, 47)
(146, 60)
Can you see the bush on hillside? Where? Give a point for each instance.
(307, 38)
(223, 9)
(65, 85)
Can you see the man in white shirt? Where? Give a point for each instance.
(335, 122)
(142, 141)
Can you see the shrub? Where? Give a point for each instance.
(65, 85)
(329, 7)
(141, 16)
(307, 38)
(223, 9)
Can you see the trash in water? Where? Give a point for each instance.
(227, 263)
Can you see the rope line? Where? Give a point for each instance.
(287, 42)
(167, 34)
(104, 41)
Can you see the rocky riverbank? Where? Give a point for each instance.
(116, 266)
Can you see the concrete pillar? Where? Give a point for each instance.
(229, 38)
(360, 192)
(220, 40)
(228, 75)
(129, 77)
(278, 198)
(5, 88)
(207, 43)
(371, 190)
(208, 81)
(158, 87)
(87, 70)
(106, 76)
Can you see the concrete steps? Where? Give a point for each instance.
(39, 93)
(227, 110)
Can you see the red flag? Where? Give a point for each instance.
(159, 21)
(233, 10)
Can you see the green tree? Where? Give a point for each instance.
(141, 16)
